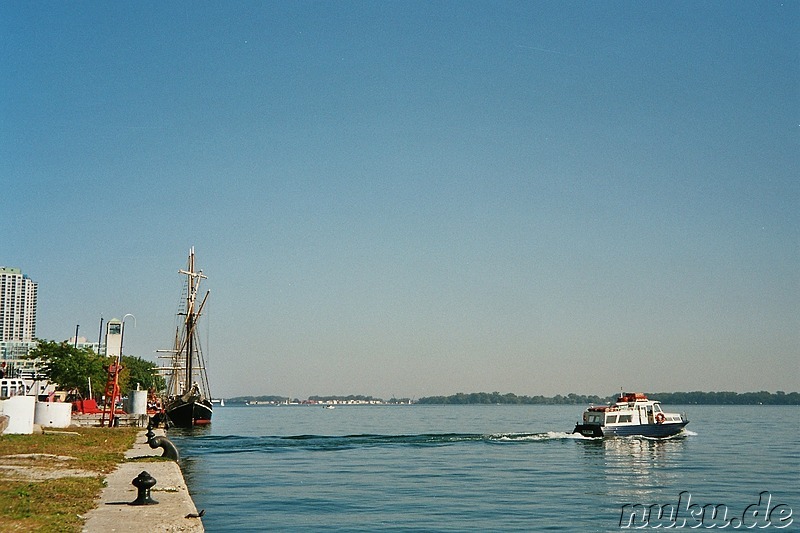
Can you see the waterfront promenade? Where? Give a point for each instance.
(174, 512)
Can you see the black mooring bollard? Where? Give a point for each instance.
(143, 483)
(170, 451)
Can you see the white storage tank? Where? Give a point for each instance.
(137, 402)
(53, 414)
(20, 410)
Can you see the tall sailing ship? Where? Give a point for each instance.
(188, 396)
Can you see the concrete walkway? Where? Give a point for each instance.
(174, 502)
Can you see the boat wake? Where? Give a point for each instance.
(241, 444)
(534, 437)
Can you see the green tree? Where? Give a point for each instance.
(70, 367)
(139, 371)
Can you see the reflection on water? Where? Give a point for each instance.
(195, 431)
(634, 468)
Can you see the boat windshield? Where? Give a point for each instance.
(592, 418)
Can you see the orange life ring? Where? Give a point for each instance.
(660, 418)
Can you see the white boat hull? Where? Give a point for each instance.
(657, 431)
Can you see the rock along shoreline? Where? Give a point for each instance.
(174, 512)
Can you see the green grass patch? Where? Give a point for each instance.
(54, 505)
(59, 504)
(96, 449)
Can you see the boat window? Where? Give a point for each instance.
(624, 418)
(3, 391)
(656, 408)
(594, 419)
(611, 419)
(13, 391)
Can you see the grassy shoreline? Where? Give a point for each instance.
(48, 482)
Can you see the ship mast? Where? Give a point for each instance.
(193, 281)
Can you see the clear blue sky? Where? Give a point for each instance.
(416, 198)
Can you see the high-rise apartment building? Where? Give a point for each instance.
(17, 306)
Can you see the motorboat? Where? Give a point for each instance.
(633, 414)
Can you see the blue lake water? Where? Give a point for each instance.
(485, 468)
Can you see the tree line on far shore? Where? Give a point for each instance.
(510, 398)
(493, 398)
(671, 398)
(728, 398)
(272, 399)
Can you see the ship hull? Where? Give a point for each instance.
(658, 431)
(189, 414)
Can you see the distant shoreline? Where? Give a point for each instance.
(484, 398)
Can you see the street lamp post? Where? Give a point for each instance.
(122, 334)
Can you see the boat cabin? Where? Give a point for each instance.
(630, 408)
